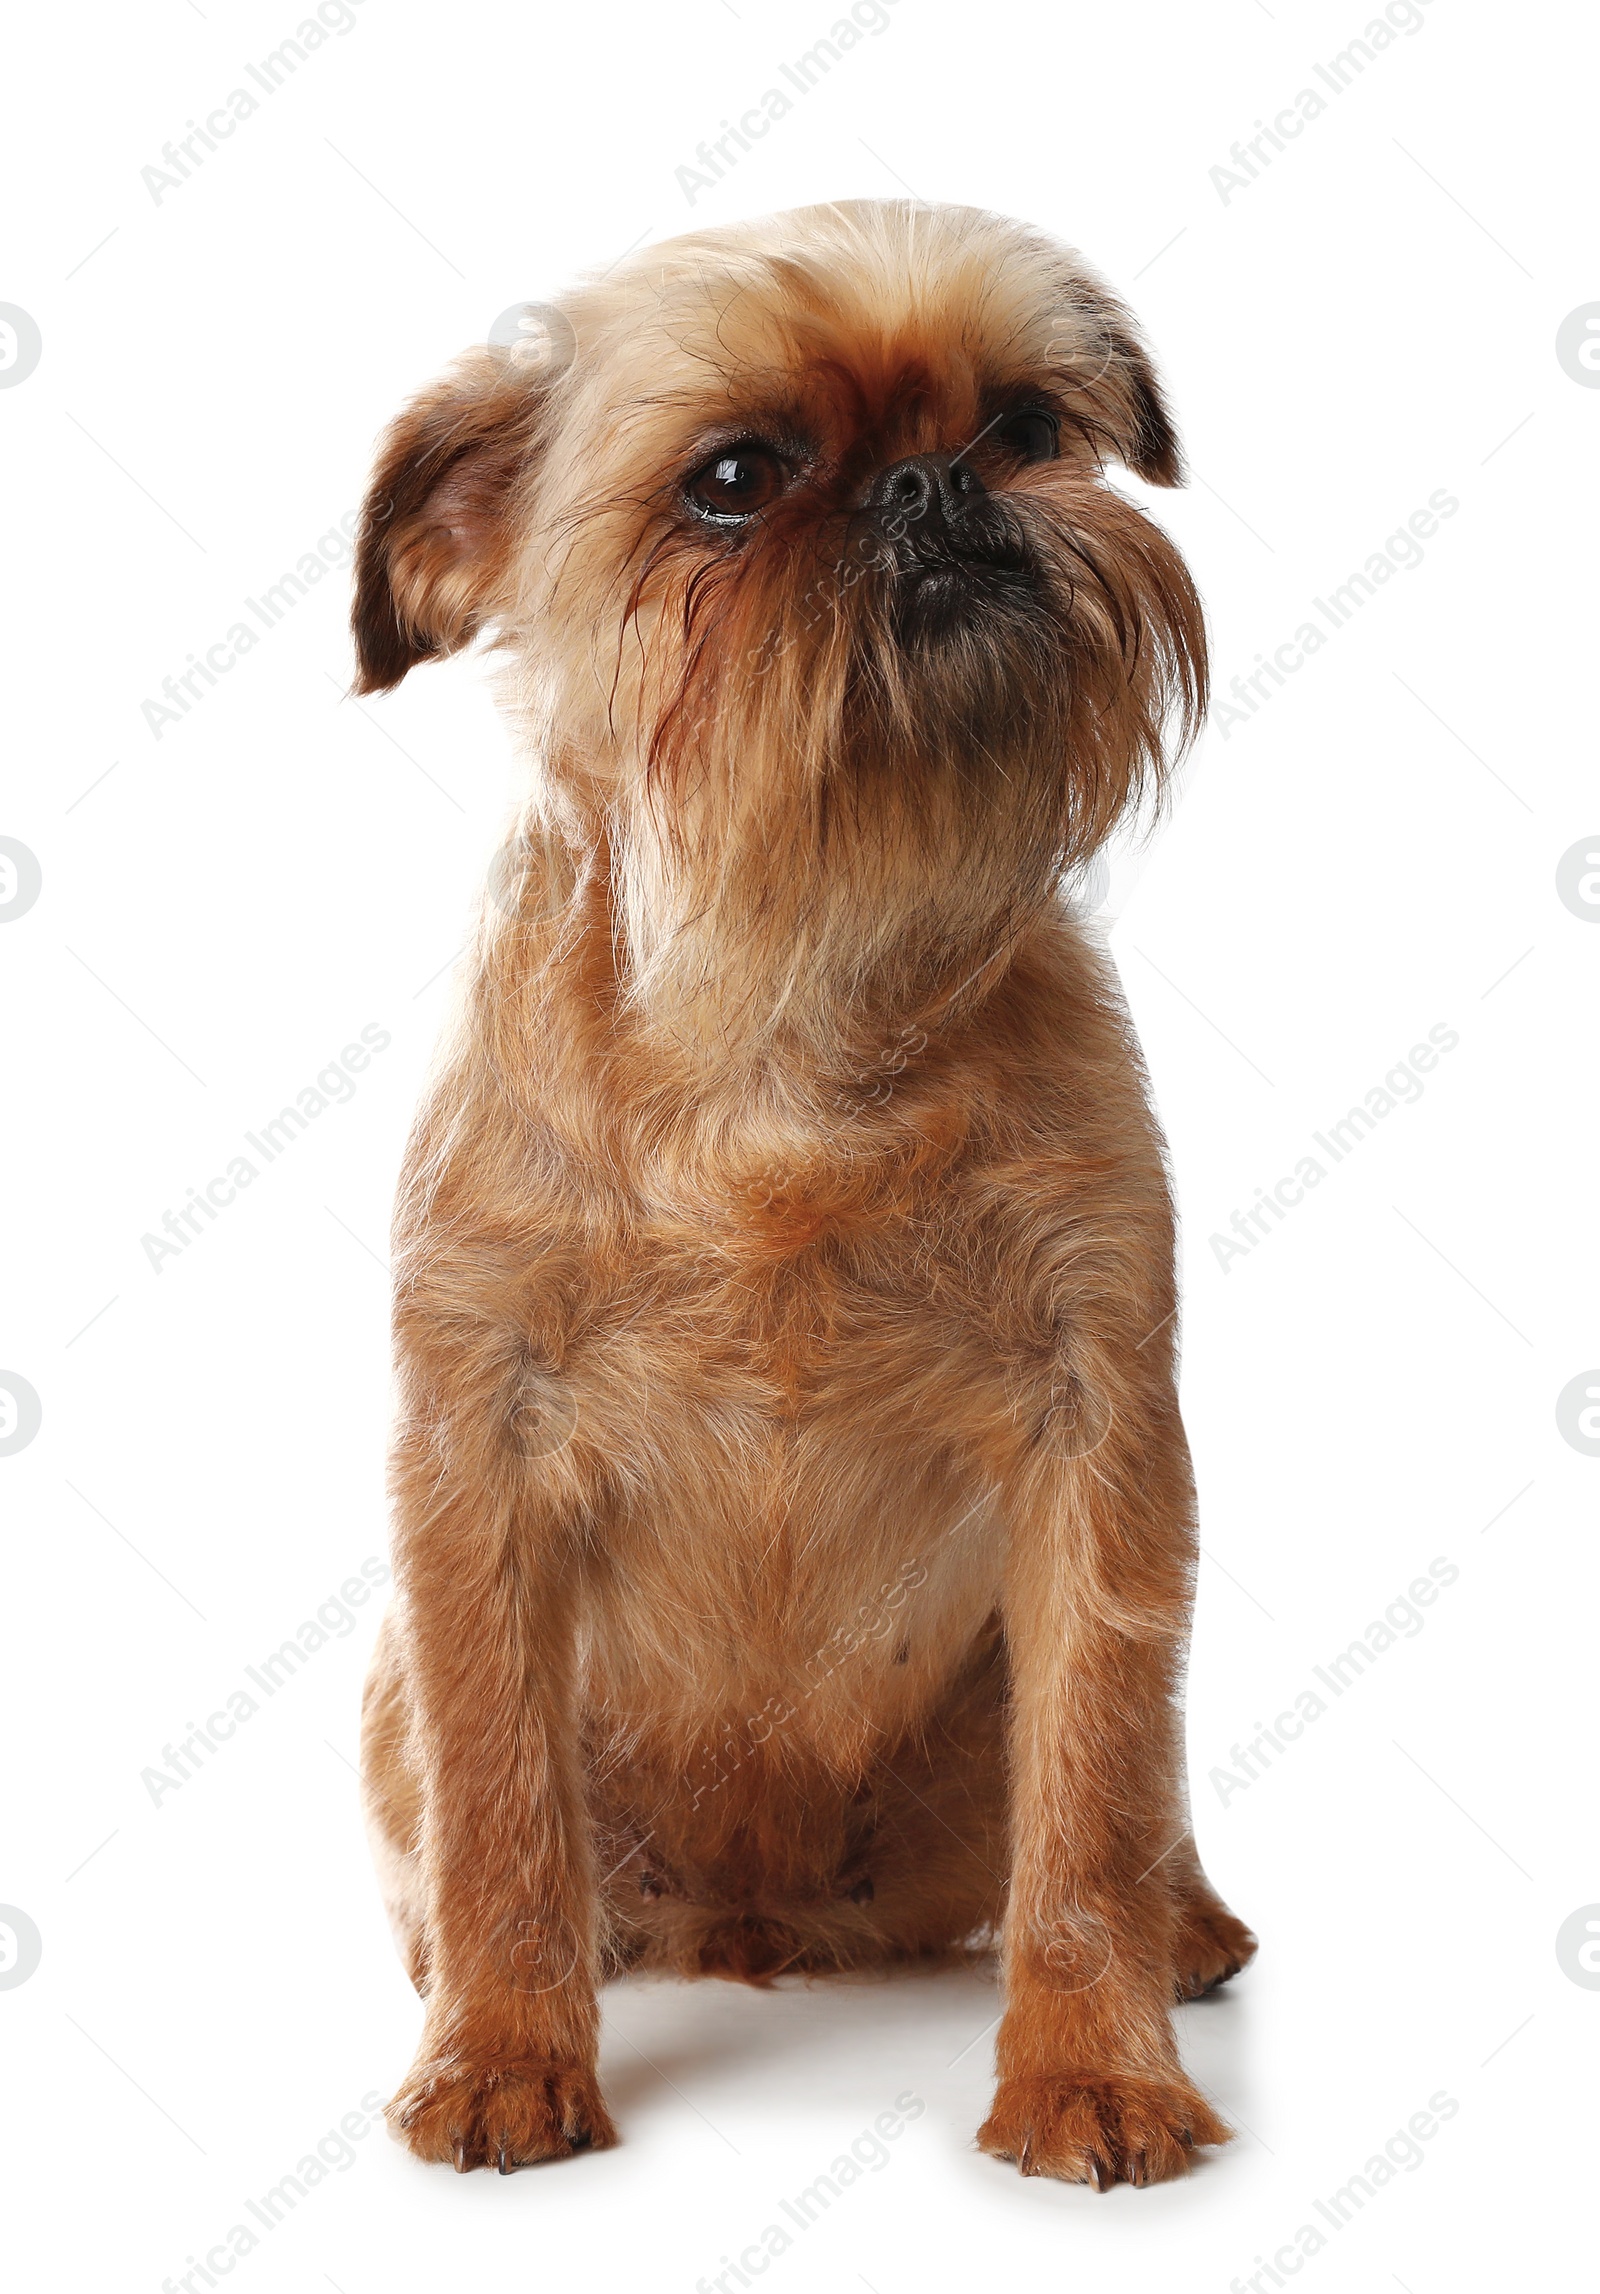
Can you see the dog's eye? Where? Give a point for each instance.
(735, 483)
(1030, 435)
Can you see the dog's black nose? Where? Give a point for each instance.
(925, 496)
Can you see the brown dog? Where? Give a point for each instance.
(795, 1533)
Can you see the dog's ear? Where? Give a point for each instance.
(434, 544)
(1103, 370)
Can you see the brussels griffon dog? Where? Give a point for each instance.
(794, 1527)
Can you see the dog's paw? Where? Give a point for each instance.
(1099, 2130)
(1210, 1946)
(503, 2115)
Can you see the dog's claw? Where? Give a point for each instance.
(504, 2116)
(1101, 2130)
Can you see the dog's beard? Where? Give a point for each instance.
(858, 779)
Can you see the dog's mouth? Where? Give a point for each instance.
(938, 597)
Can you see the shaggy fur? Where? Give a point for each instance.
(794, 1530)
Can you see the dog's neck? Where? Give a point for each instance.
(815, 934)
(809, 980)
(712, 1069)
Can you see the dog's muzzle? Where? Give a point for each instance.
(947, 540)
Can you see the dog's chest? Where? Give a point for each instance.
(787, 1340)
(793, 1437)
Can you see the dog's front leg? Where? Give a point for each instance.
(505, 2074)
(1097, 1601)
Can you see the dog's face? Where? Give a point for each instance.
(817, 603)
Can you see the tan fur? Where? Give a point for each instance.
(794, 1530)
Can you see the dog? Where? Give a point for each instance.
(794, 1529)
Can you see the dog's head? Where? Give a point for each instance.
(817, 605)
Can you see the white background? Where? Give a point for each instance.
(1372, 853)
